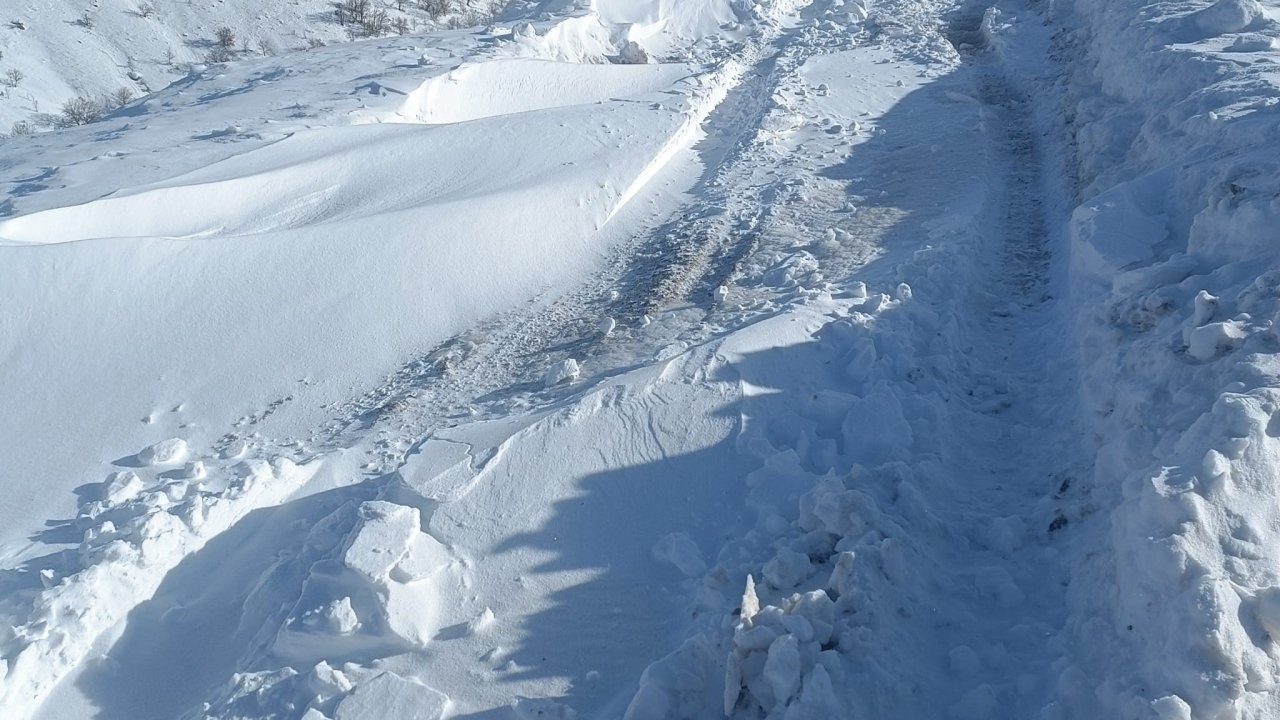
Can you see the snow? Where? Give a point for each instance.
(648, 359)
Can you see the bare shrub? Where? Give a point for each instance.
(80, 111)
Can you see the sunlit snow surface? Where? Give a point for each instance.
(842, 360)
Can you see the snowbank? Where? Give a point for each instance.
(1174, 248)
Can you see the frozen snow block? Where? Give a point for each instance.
(782, 669)
(565, 371)
(1267, 609)
(165, 452)
(121, 487)
(424, 557)
(876, 430)
(787, 569)
(382, 540)
(390, 696)
(681, 551)
(1117, 231)
(1229, 16)
(1206, 342)
(1253, 42)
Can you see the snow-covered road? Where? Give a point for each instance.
(898, 360)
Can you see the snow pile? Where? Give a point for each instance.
(1174, 250)
(133, 536)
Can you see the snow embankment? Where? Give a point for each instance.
(134, 534)
(1175, 116)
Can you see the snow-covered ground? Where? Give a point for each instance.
(113, 51)
(656, 359)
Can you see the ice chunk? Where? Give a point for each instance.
(750, 602)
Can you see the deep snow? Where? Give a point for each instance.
(898, 360)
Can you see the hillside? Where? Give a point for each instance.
(113, 50)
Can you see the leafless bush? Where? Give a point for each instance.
(225, 37)
(79, 111)
(435, 9)
(122, 96)
(376, 23)
(20, 128)
(13, 78)
(218, 54)
(353, 12)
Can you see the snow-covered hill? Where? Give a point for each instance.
(651, 359)
(113, 51)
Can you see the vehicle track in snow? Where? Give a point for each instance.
(671, 271)
(1015, 442)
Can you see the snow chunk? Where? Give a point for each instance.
(787, 569)
(1204, 343)
(1267, 609)
(565, 371)
(1252, 42)
(1229, 16)
(382, 540)
(1171, 707)
(390, 696)
(121, 487)
(481, 622)
(782, 669)
(681, 551)
(165, 452)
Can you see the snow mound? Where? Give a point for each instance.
(1229, 16)
(132, 539)
(514, 85)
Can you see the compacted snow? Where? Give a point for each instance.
(655, 359)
